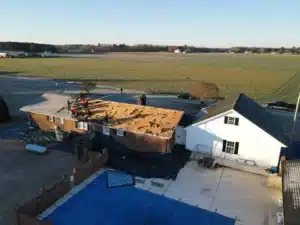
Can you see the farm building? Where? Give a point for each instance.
(136, 127)
(237, 129)
(291, 191)
(4, 55)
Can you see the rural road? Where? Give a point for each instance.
(20, 91)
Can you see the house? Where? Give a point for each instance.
(240, 129)
(4, 55)
(12, 54)
(136, 127)
(177, 50)
(291, 191)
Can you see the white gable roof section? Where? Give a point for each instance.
(250, 110)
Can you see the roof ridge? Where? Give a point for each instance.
(237, 99)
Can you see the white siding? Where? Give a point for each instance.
(180, 135)
(254, 143)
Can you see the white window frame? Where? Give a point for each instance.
(51, 118)
(231, 120)
(230, 148)
(59, 120)
(82, 125)
(106, 130)
(120, 132)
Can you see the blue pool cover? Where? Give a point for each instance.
(97, 204)
(118, 179)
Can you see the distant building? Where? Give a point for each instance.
(177, 50)
(46, 54)
(3, 55)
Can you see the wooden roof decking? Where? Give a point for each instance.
(136, 118)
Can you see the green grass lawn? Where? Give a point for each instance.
(260, 76)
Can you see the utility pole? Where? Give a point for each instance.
(295, 118)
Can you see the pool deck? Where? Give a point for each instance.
(235, 194)
(229, 192)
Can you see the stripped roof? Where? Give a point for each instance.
(136, 118)
(291, 192)
(251, 110)
(133, 118)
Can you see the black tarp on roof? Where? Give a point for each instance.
(251, 110)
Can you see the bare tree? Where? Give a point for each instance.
(205, 90)
(86, 86)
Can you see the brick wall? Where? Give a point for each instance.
(133, 141)
(43, 123)
(96, 162)
(140, 142)
(37, 205)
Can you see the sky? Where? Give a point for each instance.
(205, 23)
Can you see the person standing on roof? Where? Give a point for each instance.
(69, 105)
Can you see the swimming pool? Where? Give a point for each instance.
(97, 204)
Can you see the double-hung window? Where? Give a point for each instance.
(82, 125)
(231, 120)
(120, 132)
(106, 130)
(230, 147)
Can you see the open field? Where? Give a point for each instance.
(260, 76)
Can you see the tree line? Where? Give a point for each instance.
(27, 47)
(104, 48)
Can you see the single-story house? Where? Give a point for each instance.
(237, 128)
(291, 192)
(3, 55)
(137, 127)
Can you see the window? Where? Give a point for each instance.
(230, 147)
(59, 120)
(168, 149)
(106, 130)
(82, 125)
(231, 120)
(51, 118)
(55, 119)
(120, 132)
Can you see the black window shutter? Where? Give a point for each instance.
(76, 124)
(236, 121)
(224, 145)
(225, 119)
(236, 149)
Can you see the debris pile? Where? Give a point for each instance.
(36, 136)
